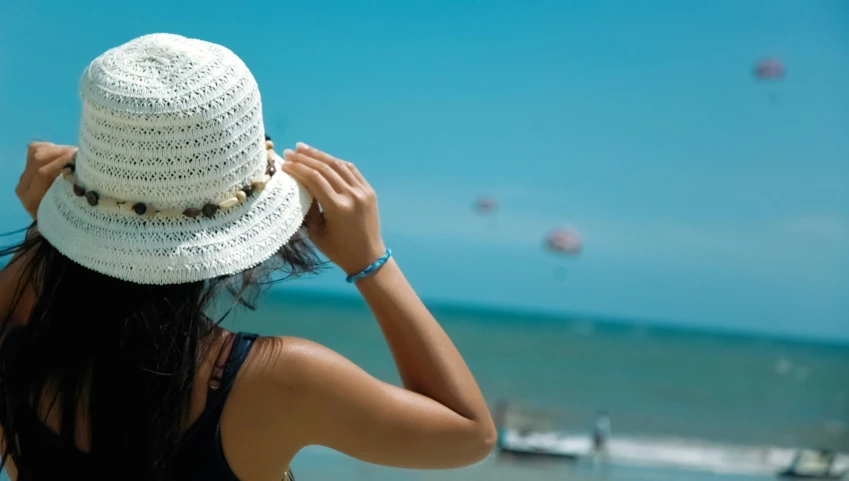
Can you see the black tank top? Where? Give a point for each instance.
(200, 456)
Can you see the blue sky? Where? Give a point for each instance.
(701, 201)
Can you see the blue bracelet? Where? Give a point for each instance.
(370, 269)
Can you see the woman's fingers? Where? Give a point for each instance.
(315, 153)
(340, 166)
(37, 154)
(357, 174)
(346, 169)
(338, 183)
(313, 180)
(47, 173)
(351, 189)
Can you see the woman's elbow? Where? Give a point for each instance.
(487, 440)
(478, 446)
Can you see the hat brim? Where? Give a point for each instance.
(172, 250)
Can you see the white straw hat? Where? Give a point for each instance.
(173, 181)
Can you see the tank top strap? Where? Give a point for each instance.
(224, 376)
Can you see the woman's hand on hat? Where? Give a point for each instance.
(346, 228)
(44, 163)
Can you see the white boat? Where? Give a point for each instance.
(542, 444)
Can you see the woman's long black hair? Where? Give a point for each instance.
(122, 354)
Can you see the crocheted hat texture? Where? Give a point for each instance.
(173, 181)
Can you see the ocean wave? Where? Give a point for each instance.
(664, 452)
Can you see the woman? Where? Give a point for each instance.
(110, 366)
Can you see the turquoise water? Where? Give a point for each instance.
(703, 401)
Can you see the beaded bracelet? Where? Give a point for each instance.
(370, 269)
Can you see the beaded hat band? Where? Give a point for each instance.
(207, 210)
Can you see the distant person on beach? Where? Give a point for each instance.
(112, 362)
(601, 434)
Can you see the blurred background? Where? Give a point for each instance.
(637, 208)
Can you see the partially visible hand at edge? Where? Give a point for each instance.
(44, 163)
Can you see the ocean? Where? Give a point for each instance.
(684, 405)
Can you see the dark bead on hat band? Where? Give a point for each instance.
(139, 208)
(92, 198)
(209, 210)
(79, 190)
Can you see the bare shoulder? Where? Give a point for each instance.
(283, 377)
(292, 383)
(284, 364)
(263, 424)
